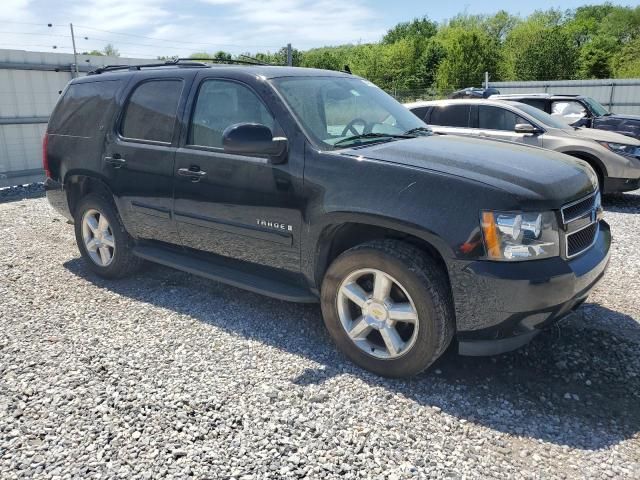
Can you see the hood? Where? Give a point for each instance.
(620, 116)
(604, 136)
(527, 172)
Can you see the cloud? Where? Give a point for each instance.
(148, 28)
(16, 11)
(121, 14)
(303, 22)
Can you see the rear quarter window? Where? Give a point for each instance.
(84, 109)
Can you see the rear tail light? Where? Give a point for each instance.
(45, 158)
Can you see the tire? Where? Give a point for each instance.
(122, 261)
(417, 282)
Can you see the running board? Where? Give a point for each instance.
(222, 270)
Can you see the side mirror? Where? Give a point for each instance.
(526, 128)
(254, 139)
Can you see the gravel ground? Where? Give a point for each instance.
(168, 375)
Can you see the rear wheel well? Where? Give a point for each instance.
(340, 238)
(78, 186)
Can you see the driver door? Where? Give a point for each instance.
(237, 206)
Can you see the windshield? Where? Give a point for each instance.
(341, 112)
(542, 117)
(597, 109)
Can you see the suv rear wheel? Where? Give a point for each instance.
(102, 239)
(388, 307)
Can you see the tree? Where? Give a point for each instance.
(539, 50)
(627, 63)
(325, 58)
(111, 51)
(417, 28)
(468, 53)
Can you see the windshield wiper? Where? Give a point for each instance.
(371, 135)
(417, 130)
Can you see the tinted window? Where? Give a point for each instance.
(451, 116)
(420, 112)
(221, 104)
(496, 118)
(535, 102)
(151, 111)
(84, 109)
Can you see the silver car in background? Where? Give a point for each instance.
(614, 157)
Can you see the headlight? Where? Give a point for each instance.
(514, 236)
(622, 149)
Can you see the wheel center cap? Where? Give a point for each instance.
(376, 314)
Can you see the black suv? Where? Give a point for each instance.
(578, 111)
(316, 186)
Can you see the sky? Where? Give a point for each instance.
(148, 28)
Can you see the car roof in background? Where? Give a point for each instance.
(458, 101)
(505, 96)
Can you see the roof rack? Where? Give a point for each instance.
(177, 62)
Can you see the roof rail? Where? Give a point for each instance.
(176, 62)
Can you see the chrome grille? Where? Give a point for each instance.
(581, 240)
(579, 208)
(581, 235)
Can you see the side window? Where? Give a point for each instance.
(221, 104)
(496, 118)
(420, 112)
(150, 113)
(568, 111)
(84, 109)
(451, 116)
(534, 102)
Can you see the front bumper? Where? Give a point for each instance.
(501, 306)
(57, 197)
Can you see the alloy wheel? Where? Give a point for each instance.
(377, 313)
(98, 237)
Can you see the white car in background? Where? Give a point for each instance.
(614, 157)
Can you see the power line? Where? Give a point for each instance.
(178, 41)
(38, 34)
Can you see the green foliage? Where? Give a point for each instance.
(417, 28)
(539, 50)
(627, 62)
(111, 51)
(418, 56)
(468, 53)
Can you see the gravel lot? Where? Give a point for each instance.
(168, 375)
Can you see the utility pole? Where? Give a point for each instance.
(486, 80)
(75, 54)
(289, 55)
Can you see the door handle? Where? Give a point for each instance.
(191, 172)
(116, 161)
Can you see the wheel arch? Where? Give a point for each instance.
(80, 184)
(592, 160)
(337, 237)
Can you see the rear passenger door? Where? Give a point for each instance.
(139, 158)
(500, 123)
(450, 119)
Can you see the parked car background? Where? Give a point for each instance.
(614, 157)
(579, 111)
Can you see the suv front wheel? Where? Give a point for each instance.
(102, 239)
(388, 307)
